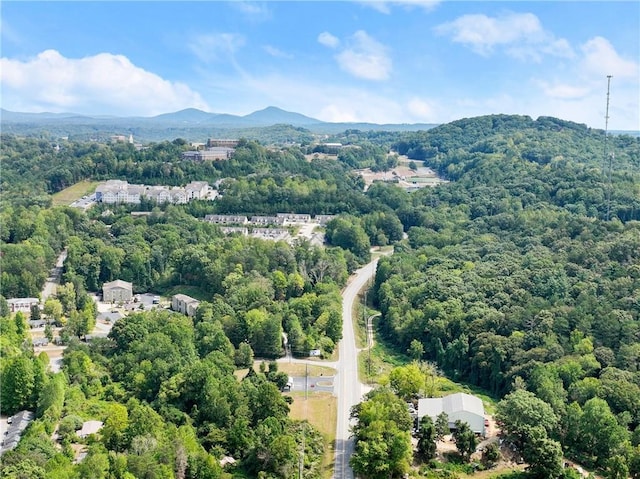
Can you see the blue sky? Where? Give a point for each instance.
(382, 62)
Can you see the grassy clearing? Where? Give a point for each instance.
(321, 410)
(384, 358)
(74, 192)
(193, 291)
(292, 369)
(296, 369)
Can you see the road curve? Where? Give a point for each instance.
(347, 385)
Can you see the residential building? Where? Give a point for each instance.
(230, 230)
(295, 217)
(22, 304)
(324, 219)
(163, 194)
(225, 143)
(119, 191)
(459, 406)
(17, 425)
(88, 428)
(117, 291)
(227, 219)
(197, 190)
(184, 304)
(210, 154)
(268, 220)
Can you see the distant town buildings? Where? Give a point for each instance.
(210, 154)
(267, 227)
(225, 143)
(119, 191)
(214, 150)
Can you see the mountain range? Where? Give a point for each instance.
(271, 123)
(198, 118)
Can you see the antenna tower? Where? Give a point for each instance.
(607, 156)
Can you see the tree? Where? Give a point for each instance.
(542, 454)
(617, 468)
(383, 443)
(520, 411)
(48, 332)
(25, 469)
(53, 309)
(406, 381)
(416, 350)
(465, 439)
(18, 381)
(427, 438)
(601, 437)
(243, 357)
(442, 425)
(21, 324)
(491, 454)
(35, 312)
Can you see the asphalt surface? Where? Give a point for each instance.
(53, 280)
(347, 386)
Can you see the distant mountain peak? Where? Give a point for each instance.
(273, 115)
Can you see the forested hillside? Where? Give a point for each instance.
(511, 277)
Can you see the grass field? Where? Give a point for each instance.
(321, 410)
(296, 369)
(74, 192)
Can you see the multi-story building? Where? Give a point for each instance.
(210, 154)
(119, 191)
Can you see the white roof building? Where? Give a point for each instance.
(459, 406)
(89, 427)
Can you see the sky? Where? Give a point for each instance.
(348, 61)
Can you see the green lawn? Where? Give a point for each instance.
(321, 410)
(74, 192)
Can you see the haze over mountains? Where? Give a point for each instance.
(198, 118)
(192, 124)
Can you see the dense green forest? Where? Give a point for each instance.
(520, 276)
(511, 279)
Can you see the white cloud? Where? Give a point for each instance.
(578, 91)
(364, 57)
(601, 58)
(328, 40)
(212, 46)
(276, 52)
(385, 7)
(256, 11)
(99, 84)
(521, 34)
(563, 91)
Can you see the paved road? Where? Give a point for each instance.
(53, 280)
(346, 385)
